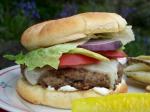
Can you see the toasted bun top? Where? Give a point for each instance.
(71, 28)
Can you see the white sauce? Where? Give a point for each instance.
(67, 88)
(50, 88)
(63, 88)
(110, 68)
(102, 90)
(122, 60)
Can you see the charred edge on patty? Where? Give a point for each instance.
(76, 77)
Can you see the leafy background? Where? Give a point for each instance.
(17, 15)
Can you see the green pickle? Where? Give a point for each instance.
(129, 102)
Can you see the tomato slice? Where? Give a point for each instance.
(113, 54)
(76, 59)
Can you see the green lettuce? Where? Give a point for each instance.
(43, 56)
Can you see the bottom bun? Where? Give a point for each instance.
(58, 99)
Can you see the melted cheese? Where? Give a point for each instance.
(32, 76)
(108, 68)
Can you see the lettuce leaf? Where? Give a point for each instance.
(43, 56)
(124, 36)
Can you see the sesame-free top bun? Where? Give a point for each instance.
(58, 99)
(71, 28)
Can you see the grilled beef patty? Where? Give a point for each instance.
(76, 77)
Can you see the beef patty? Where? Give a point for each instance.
(76, 77)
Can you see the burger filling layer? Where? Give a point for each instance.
(81, 78)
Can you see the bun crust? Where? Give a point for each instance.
(58, 99)
(71, 28)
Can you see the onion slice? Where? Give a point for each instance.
(102, 45)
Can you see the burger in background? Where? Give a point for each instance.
(73, 57)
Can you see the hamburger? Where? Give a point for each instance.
(73, 57)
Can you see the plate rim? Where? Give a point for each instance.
(4, 105)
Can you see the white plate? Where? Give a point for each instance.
(10, 101)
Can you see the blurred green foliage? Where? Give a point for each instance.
(17, 15)
(12, 21)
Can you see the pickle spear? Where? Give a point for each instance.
(129, 102)
(139, 69)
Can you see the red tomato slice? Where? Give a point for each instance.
(113, 54)
(76, 59)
